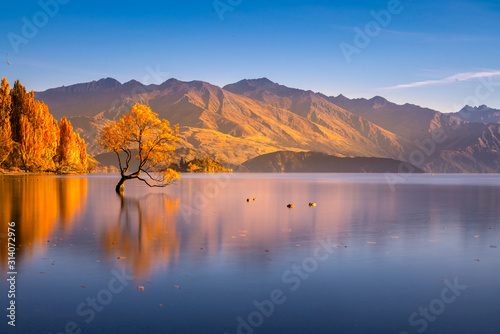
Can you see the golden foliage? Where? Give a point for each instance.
(6, 143)
(30, 136)
(142, 130)
(71, 153)
(38, 138)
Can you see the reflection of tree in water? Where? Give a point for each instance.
(39, 205)
(144, 234)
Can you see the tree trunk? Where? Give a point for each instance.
(120, 186)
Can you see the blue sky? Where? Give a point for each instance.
(438, 54)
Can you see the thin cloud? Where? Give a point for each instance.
(452, 79)
(434, 37)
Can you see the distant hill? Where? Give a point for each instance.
(316, 162)
(251, 118)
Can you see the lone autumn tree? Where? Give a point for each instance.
(141, 130)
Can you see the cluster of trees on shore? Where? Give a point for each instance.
(30, 137)
(196, 165)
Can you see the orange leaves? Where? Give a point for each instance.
(71, 153)
(139, 129)
(6, 144)
(38, 137)
(28, 125)
(170, 175)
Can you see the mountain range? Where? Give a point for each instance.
(250, 118)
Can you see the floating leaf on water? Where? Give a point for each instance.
(177, 287)
(140, 287)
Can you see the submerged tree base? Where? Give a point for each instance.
(120, 186)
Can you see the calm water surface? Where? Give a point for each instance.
(378, 254)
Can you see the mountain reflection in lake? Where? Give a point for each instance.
(371, 257)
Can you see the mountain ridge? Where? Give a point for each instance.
(482, 114)
(252, 117)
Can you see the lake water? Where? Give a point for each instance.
(378, 254)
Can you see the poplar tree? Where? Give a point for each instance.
(6, 143)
